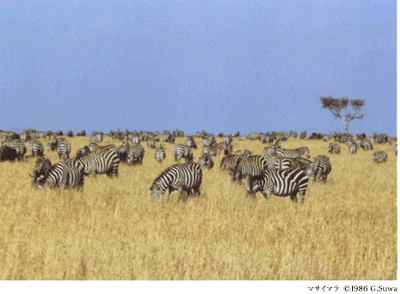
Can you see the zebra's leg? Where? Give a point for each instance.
(293, 197)
(196, 190)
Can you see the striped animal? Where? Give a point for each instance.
(182, 151)
(94, 147)
(320, 168)
(182, 177)
(68, 174)
(353, 148)
(64, 149)
(334, 148)
(205, 162)
(395, 149)
(212, 150)
(105, 162)
(287, 182)
(379, 157)
(293, 153)
(36, 148)
(366, 144)
(16, 144)
(151, 143)
(191, 143)
(248, 167)
(160, 153)
(135, 154)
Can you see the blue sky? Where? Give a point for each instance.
(221, 66)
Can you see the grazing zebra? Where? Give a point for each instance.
(395, 149)
(209, 141)
(135, 154)
(379, 157)
(287, 182)
(182, 151)
(64, 149)
(105, 162)
(353, 148)
(160, 153)
(181, 177)
(366, 144)
(293, 153)
(271, 149)
(212, 150)
(248, 167)
(151, 143)
(67, 174)
(36, 148)
(334, 148)
(320, 168)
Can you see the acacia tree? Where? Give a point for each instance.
(336, 105)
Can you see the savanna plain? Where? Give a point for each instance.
(113, 230)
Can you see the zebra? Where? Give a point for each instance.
(151, 143)
(320, 168)
(353, 148)
(96, 137)
(182, 151)
(135, 154)
(68, 174)
(293, 153)
(191, 143)
(105, 162)
(379, 157)
(366, 144)
(334, 148)
(282, 163)
(286, 182)
(182, 177)
(395, 149)
(135, 140)
(212, 150)
(160, 153)
(123, 151)
(205, 162)
(227, 139)
(64, 149)
(271, 149)
(248, 167)
(209, 141)
(36, 148)
(94, 147)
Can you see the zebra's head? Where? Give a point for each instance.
(40, 171)
(310, 172)
(156, 191)
(205, 162)
(307, 152)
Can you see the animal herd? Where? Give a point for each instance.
(276, 170)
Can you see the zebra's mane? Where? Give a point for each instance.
(163, 173)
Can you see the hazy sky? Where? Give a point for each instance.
(221, 66)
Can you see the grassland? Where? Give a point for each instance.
(345, 230)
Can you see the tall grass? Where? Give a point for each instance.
(345, 230)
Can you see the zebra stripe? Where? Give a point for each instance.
(366, 144)
(282, 163)
(36, 148)
(16, 144)
(181, 177)
(182, 151)
(287, 182)
(248, 167)
(135, 154)
(334, 148)
(160, 154)
(353, 148)
(293, 153)
(212, 150)
(64, 149)
(191, 143)
(106, 162)
(67, 174)
(320, 168)
(151, 143)
(379, 157)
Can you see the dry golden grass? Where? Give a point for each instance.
(345, 230)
